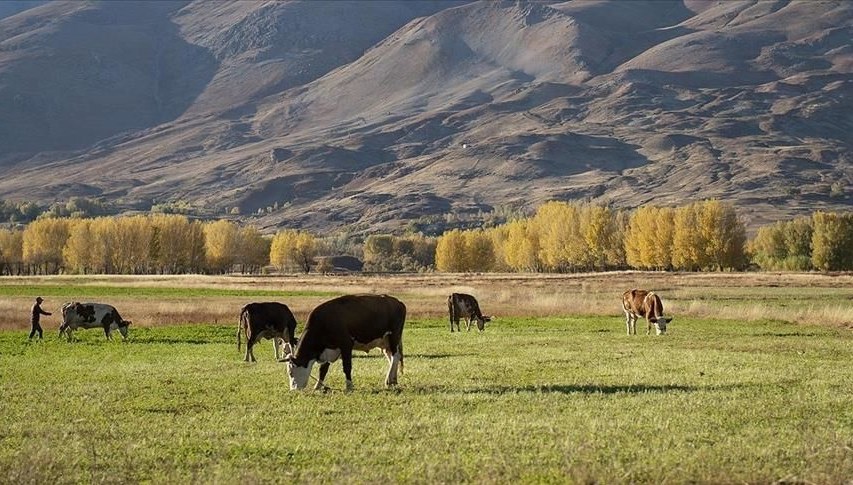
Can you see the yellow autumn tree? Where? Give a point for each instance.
(172, 246)
(723, 235)
(77, 252)
(560, 239)
(293, 249)
(649, 238)
(43, 241)
(450, 252)
(479, 251)
(254, 249)
(220, 245)
(832, 241)
(11, 251)
(602, 238)
(521, 249)
(687, 245)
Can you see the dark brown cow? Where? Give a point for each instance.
(339, 326)
(270, 320)
(91, 315)
(641, 303)
(461, 305)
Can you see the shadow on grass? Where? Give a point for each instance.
(177, 340)
(578, 389)
(787, 334)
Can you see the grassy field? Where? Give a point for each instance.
(538, 397)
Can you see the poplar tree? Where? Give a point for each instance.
(77, 252)
(832, 241)
(43, 241)
(450, 252)
(220, 245)
(11, 251)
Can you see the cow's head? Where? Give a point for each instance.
(298, 374)
(660, 324)
(122, 328)
(481, 322)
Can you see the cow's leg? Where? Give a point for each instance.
(393, 365)
(467, 324)
(324, 369)
(276, 342)
(250, 350)
(628, 322)
(346, 360)
(649, 327)
(107, 332)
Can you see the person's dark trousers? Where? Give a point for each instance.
(36, 328)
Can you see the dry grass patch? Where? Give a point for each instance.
(794, 297)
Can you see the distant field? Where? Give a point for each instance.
(532, 399)
(176, 300)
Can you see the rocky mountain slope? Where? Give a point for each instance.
(369, 114)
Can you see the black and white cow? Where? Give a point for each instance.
(461, 305)
(270, 320)
(352, 322)
(641, 303)
(91, 315)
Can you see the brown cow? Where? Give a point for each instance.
(461, 305)
(271, 320)
(641, 303)
(339, 326)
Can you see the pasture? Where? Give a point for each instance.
(552, 391)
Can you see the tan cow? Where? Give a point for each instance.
(641, 303)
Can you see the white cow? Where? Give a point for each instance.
(91, 315)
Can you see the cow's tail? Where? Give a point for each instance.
(401, 354)
(240, 323)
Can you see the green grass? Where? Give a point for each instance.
(530, 400)
(85, 291)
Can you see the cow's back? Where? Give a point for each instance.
(359, 317)
(274, 315)
(632, 301)
(465, 304)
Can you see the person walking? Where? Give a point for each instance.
(37, 313)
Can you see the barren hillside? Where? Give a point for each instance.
(369, 114)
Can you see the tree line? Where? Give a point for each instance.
(701, 236)
(558, 237)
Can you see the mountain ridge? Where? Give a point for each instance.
(373, 114)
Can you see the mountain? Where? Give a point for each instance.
(371, 114)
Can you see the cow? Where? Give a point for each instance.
(92, 315)
(460, 305)
(270, 320)
(641, 303)
(352, 322)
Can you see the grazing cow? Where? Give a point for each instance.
(267, 320)
(641, 303)
(465, 306)
(92, 315)
(339, 326)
